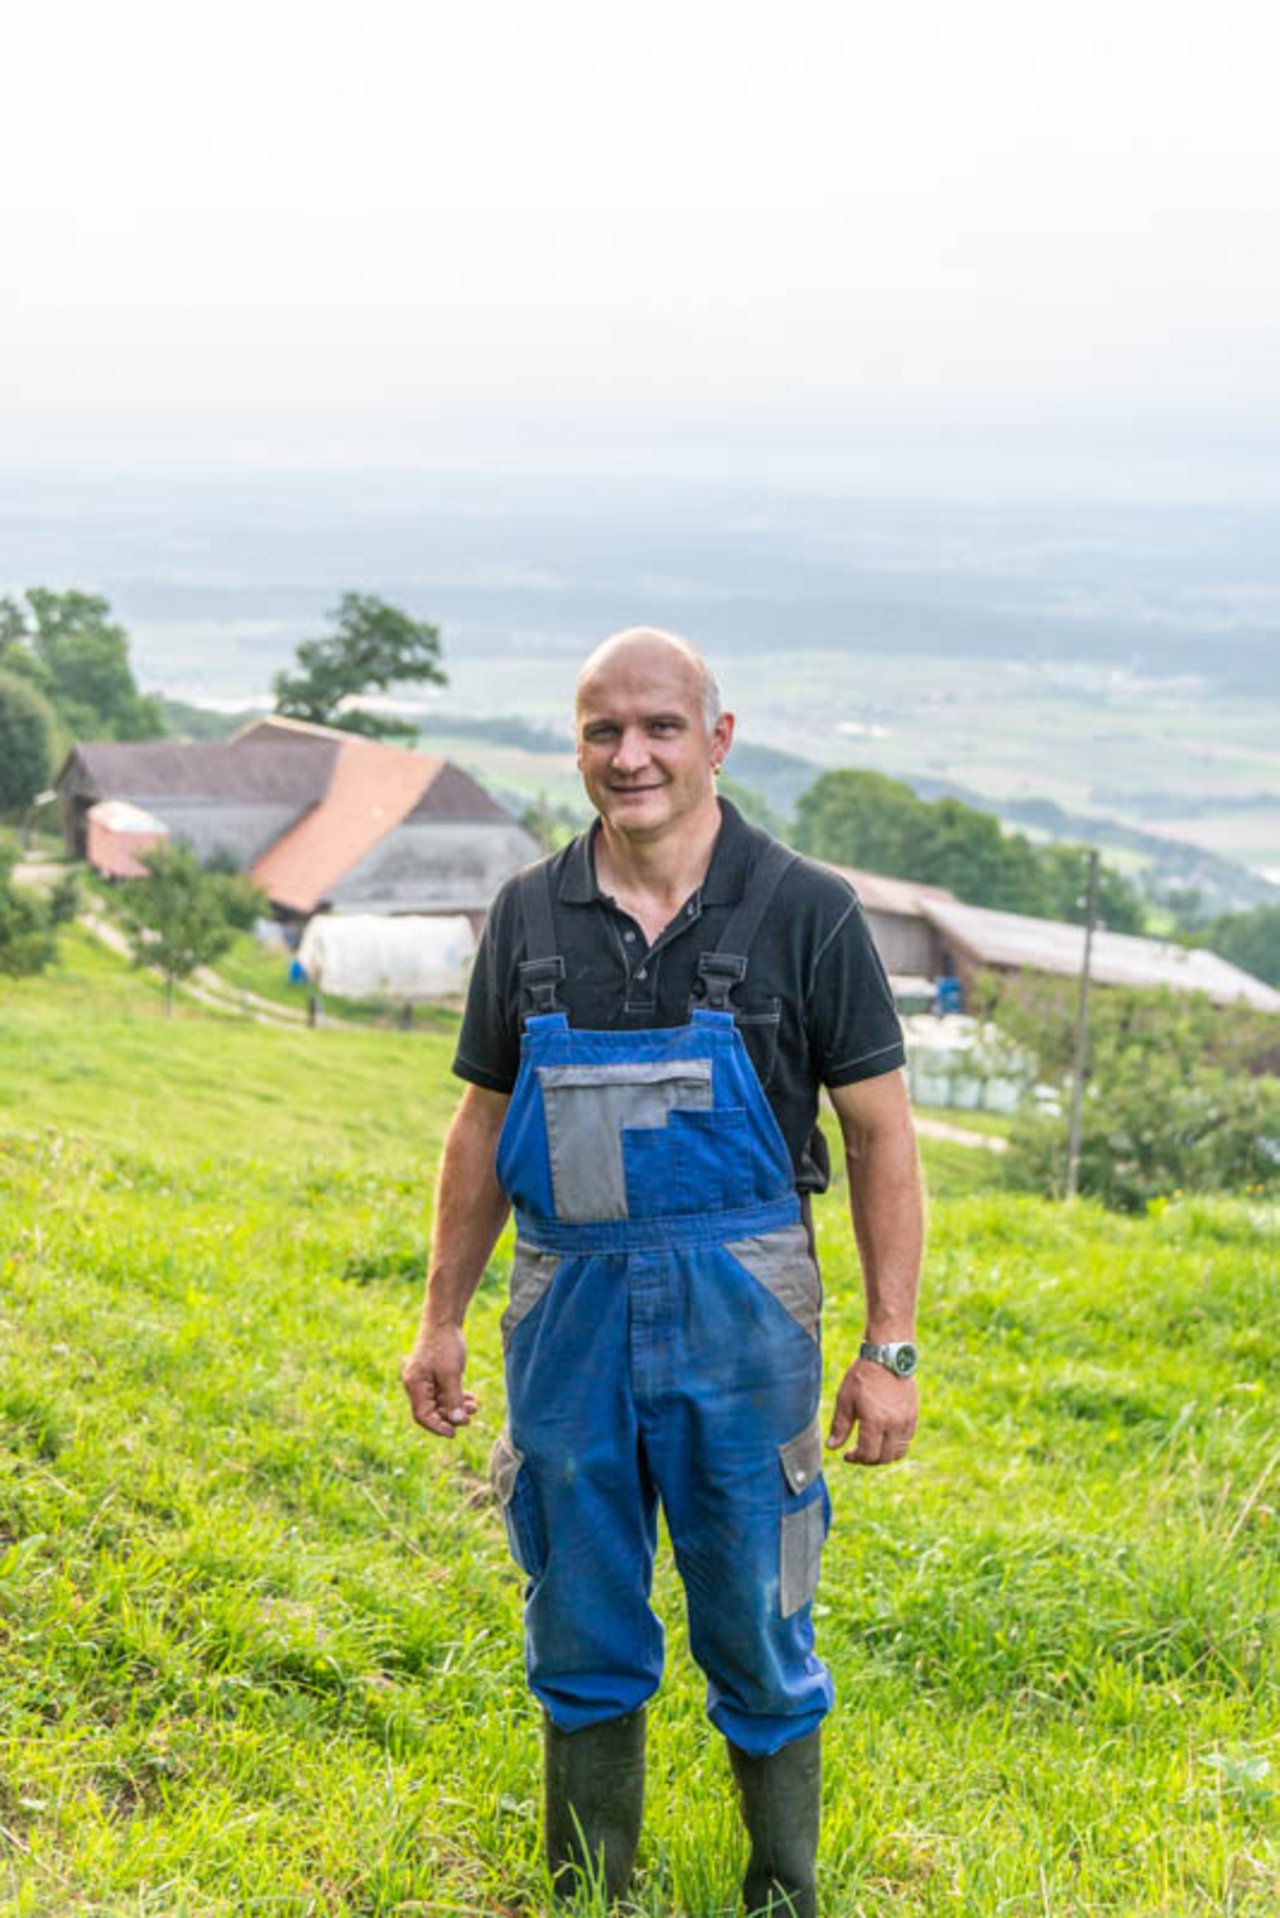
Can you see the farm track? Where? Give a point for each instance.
(959, 1135)
(208, 988)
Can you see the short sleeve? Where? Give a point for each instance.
(488, 1050)
(853, 1026)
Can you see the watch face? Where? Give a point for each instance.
(904, 1361)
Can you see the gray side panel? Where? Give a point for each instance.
(587, 1108)
(782, 1262)
(531, 1274)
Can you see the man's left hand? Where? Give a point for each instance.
(883, 1408)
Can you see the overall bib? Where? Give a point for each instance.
(661, 1347)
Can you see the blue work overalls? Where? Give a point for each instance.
(661, 1345)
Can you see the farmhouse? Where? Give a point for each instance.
(320, 819)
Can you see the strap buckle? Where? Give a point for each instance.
(539, 978)
(720, 972)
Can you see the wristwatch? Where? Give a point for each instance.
(899, 1357)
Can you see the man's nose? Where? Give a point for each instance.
(632, 751)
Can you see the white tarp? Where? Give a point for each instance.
(404, 958)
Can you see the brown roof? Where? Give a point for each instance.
(372, 790)
(454, 794)
(881, 893)
(244, 768)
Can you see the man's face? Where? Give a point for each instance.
(645, 751)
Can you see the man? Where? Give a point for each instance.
(652, 1014)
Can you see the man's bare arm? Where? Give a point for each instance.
(887, 1203)
(470, 1211)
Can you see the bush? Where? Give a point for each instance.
(1178, 1096)
(28, 941)
(1151, 1130)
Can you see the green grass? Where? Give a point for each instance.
(260, 1637)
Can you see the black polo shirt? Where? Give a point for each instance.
(815, 1008)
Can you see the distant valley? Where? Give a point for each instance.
(1115, 669)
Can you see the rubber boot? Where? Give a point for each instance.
(781, 1800)
(594, 1803)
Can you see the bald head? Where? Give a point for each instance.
(639, 647)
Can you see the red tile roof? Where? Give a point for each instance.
(371, 790)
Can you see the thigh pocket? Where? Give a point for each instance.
(804, 1519)
(509, 1477)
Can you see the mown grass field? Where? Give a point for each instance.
(259, 1638)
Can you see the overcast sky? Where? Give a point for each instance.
(396, 229)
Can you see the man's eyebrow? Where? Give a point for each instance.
(648, 719)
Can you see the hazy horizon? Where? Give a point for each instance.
(927, 246)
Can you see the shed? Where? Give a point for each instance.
(910, 947)
(118, 834)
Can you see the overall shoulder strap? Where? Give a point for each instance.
(542, 968)
(726, 967)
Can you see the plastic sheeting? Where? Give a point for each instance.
(958, 1061)
(407, 958)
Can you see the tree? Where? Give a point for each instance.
(180, 917)
(552, 825)
(28, 938)
(859, 818)
(28, 730)
(1063, 878)
(375, 647)
(754, 809)
(1250, 940)
(67, 645)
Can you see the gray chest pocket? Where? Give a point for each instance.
(758, 1022)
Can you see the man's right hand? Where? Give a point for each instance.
(432, 1376)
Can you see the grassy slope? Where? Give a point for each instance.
(261, 1639)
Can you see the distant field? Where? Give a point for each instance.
(261, 1638)
(1169, 758)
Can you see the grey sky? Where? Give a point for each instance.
(396, 227)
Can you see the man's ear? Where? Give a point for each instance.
(721, 738)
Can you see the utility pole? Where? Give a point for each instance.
(1082, 1031)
